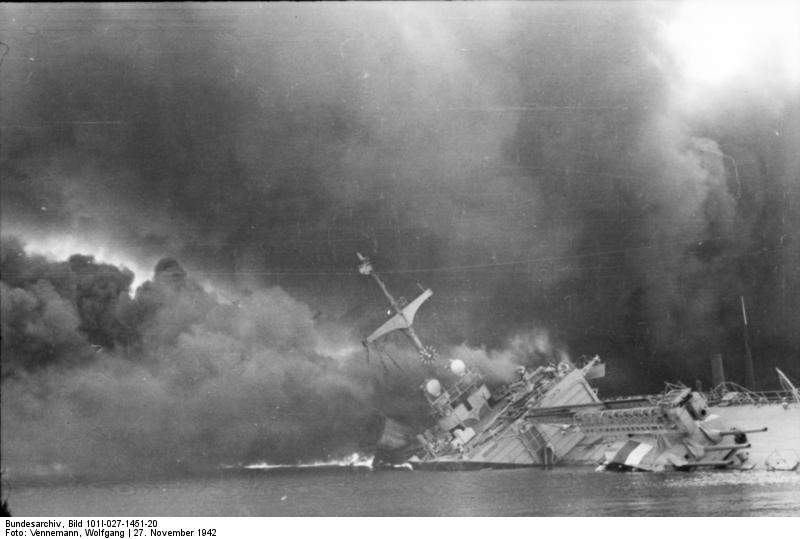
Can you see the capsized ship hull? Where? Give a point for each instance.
(674, 431)
(552, 416)
(555, 418)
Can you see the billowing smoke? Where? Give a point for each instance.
(95, 380)
(538, 165)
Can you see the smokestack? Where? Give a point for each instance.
(717, 370)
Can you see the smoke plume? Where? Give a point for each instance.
(540, 166)
(95, 380)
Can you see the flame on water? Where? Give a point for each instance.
(354, 460)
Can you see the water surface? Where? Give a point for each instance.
(358, 492)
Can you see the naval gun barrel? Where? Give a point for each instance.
(734, 432)
(706, 463)
(722, 447)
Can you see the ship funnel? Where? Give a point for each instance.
(717, 370)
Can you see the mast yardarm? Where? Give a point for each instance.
(403, 317)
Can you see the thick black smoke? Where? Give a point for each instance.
(172, 379)
(531, 160)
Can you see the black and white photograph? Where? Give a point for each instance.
(398, 259)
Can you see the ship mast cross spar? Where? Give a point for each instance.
(404, 315)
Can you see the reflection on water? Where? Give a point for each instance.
(358, 491)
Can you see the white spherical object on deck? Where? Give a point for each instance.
(433, 387)
(458, 367)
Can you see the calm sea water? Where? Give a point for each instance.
(352, 492)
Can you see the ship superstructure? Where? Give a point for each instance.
(778, 448)
(551, 415)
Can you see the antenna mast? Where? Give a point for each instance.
(749, 374)
(404, 315)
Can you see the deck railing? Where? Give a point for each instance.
(730, 393)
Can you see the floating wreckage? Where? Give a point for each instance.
(552, 416)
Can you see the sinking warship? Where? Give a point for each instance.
(551, 416)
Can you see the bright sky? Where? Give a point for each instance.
(61, 247)
(717, 42)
